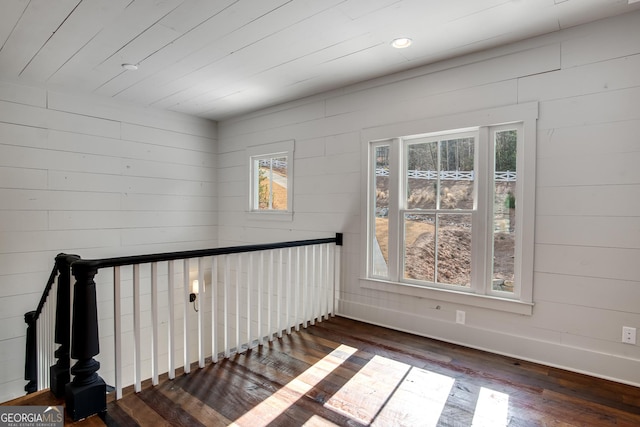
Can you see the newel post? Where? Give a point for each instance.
(59, 373)
(86, 394)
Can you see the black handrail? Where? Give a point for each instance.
(170, 256)
(47, 289)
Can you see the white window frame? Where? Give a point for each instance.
(481, 293)
(266, 151)
(404, 144)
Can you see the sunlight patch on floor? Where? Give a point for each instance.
(276, 404)
(362, 397)
(425, 392)
(492, 409)
(382, 390)
(318, 421)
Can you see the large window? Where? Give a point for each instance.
(444, 211)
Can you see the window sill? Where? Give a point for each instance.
(269, 216)
(446, 295)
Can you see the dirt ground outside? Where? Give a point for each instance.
(454, 239)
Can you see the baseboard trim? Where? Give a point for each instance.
(584, 361)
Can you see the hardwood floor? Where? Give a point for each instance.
(347, 373)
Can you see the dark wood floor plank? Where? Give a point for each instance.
(142, 414)
(167, 409)
(590, 410)
(116, 417)
(204, 413)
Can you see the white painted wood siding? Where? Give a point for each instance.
(97, 178)
(90, 176)
(587, 242)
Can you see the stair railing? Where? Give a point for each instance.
(38, 371)
(256, 293)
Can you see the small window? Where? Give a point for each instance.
(271, 175)
(271, 172)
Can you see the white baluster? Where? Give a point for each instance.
(187, 318)
(225, 281)
(200, 304)
(269, 296)
(137, 369)
(154, 323)
(250, 278)
(260, 283)
(320, 281)
(279, 295)
(238, 286)
(298, 291)
(289, 299)
(306, 297)
(328, 280)
(171, 342)
(117, 331)
(214, 309)
(336, 275)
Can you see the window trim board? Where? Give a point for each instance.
(450, 295)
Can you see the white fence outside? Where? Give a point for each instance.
(507, 176)
(273, 162)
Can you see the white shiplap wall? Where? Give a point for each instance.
(587, 241)
(99, 179)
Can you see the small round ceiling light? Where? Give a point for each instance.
(401, 42)
(130, 67)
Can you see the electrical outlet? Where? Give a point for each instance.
(628, 335)
(460, 317)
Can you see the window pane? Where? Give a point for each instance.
(381, 233)
(456, 173)
(454, 249)
(451, 263)
(422, 175)
(504, 208)
(272, 183)
(419, 249)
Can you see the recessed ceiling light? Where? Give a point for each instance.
(401, 43)
(130, 67)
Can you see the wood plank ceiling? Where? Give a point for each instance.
(220, 58)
